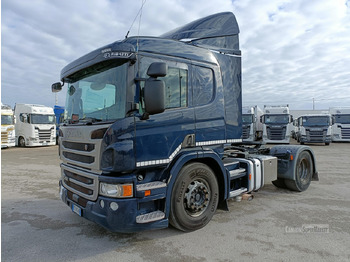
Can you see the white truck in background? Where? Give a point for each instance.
(35, 125)
(341, 124)
(277, 124)
(7, 127)
(314, 128)
(251, 126)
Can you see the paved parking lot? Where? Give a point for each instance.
(277, 225)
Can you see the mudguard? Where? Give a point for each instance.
(287, 157)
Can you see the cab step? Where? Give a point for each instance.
(236, 173)
(238, 192)
(150, 217)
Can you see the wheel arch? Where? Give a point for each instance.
(208, 158)
(287, 160)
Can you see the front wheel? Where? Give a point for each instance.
(303, 173)
(194, 198)
(21, 142)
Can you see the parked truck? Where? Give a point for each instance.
(7, 127)
(251, 125)
(35, 125)
(314, 128)
(152, 131)
(277, 124)
(341, 124)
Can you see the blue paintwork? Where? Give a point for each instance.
(134, 140)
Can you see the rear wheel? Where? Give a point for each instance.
(279, 182)
(303, 175)
(194, 198)
(21, 141)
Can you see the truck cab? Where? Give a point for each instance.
(7, 127)
(251, 125)
(341, 124)
(35, 125)
(314, 128)
(150, 128)
(277, 124)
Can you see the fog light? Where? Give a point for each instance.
(114, 206)
(102, 204)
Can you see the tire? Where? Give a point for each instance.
(196, 184)
(21, 142)
(279, 182)
(327, 144)
(301, 143)
(303, 173)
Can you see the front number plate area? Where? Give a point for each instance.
(76, 210)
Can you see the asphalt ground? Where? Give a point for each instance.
(277, 225)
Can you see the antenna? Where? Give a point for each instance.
(138, 13)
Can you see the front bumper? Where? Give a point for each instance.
(305, 139)
(123, 219)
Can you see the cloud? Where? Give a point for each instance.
(292, 51)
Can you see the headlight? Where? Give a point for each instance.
(116, 190)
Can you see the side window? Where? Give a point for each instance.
(203, 85)
(176, 82)
(175, 87)
(23, 117)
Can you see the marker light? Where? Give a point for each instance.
(116, 190)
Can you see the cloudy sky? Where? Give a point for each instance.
(293, 51)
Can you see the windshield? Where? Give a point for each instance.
(6, 120)
(99, 95)
(316, 121)
(247, 119)
(41, 119)
(342, 119)
(276, 119)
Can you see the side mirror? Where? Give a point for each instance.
(154, 90)
(56, 87)
(291, 119)
(333, 120)
(154, 95)
(261, 119)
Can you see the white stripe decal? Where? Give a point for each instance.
(177, 150)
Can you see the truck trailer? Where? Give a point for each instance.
(251, 125)
(7, 127)
(152, 131)
(314, 128)
(341, 124)
(277, 124)
(35, 125)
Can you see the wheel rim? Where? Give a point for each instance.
(21, 142)
(304, 171)
(196, 198)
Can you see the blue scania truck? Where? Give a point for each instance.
(152, 131)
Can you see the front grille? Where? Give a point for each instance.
(80, 201)
(276, 133)
(83, 184)
(345, 133)
(316, 136)
(45, 135)
(79, 158)
(245, 132)
(86, 147)
(4, 137)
